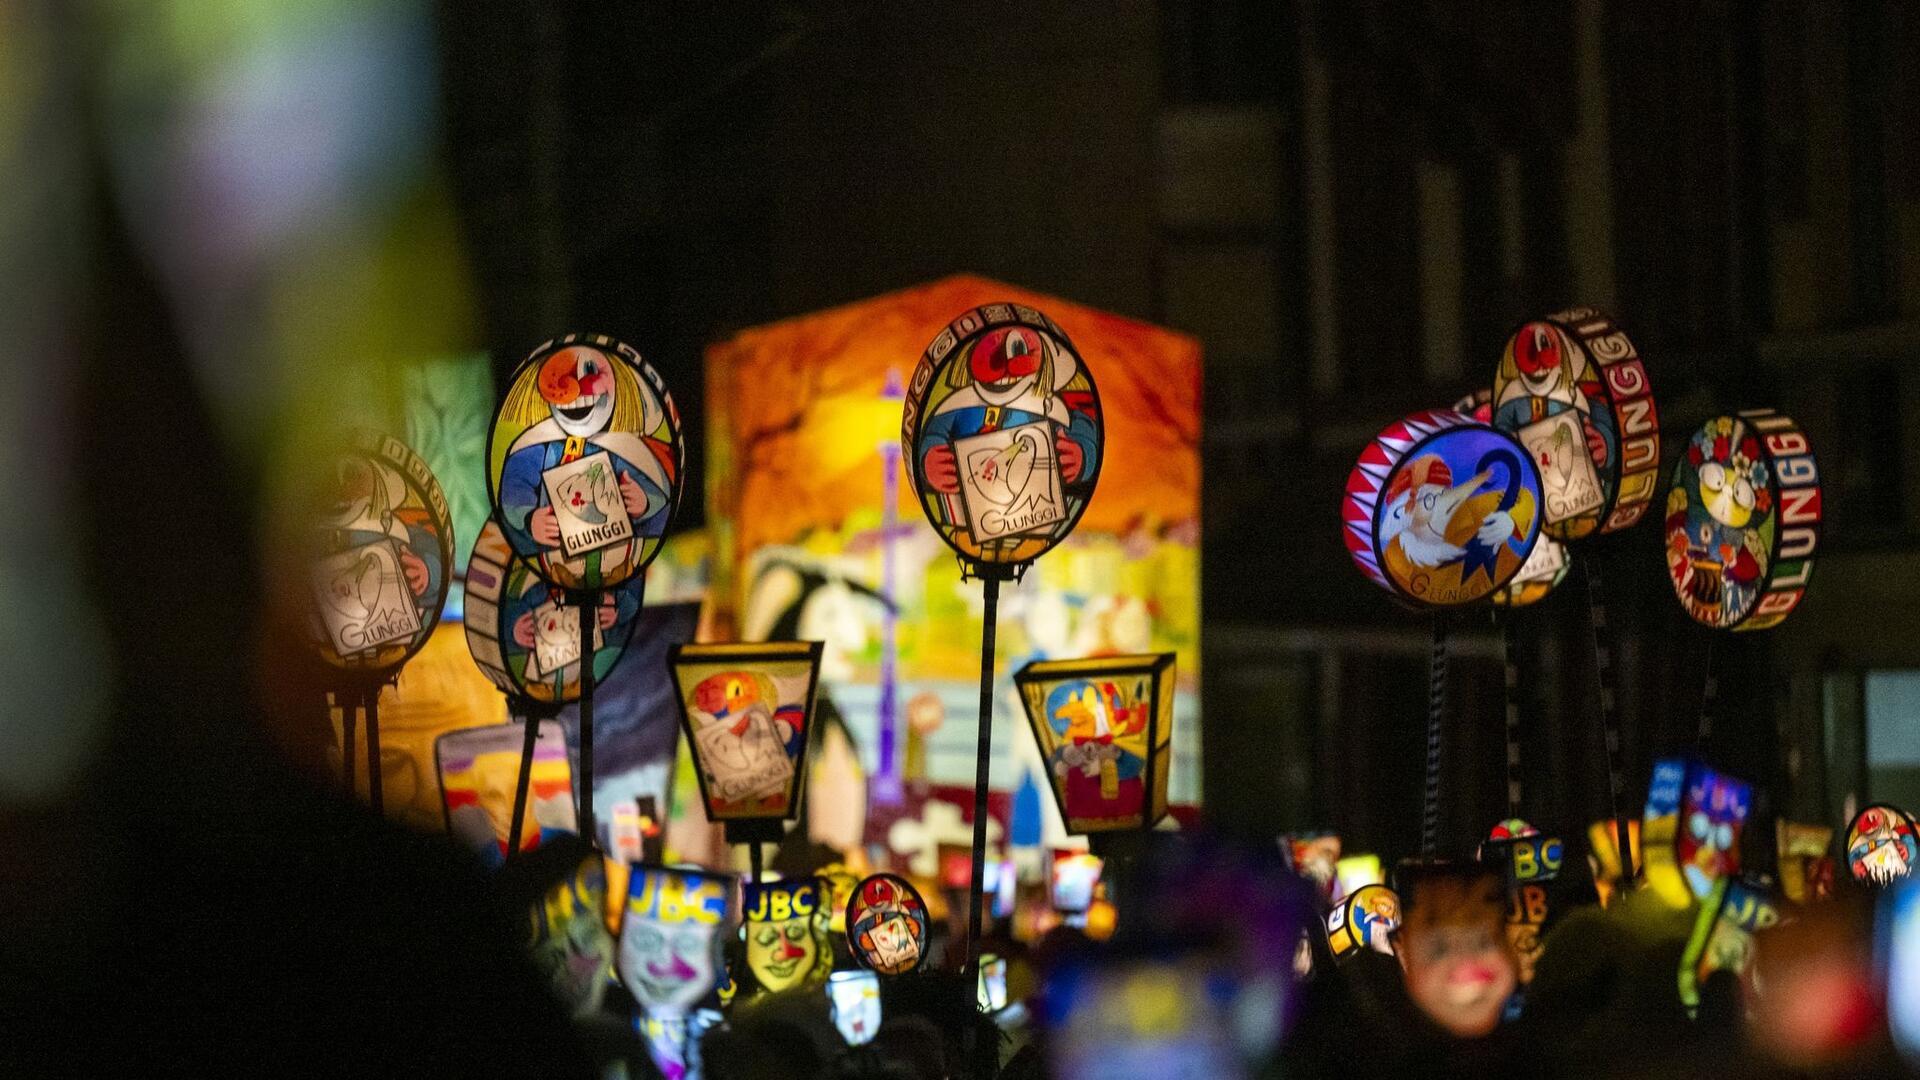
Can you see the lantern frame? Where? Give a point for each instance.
(748, 827)
(1156, 767)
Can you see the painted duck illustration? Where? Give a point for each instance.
(355, 590)
(1424, 502)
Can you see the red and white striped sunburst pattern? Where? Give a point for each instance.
(1383, 455)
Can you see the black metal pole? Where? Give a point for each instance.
(524, 785)
(754, 860)
(589, 618)
(376, 792)
(1604, 673)
(977, 888)
(1436, 717)
(349, 736)
(1709, 698)
(1509, 656)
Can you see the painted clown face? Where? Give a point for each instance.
(1005, 364)
(1881, 846)
(569, 937)
(1541, 355)
(578, 385)
(1709, 844)
(782, 945)
(1460, 967)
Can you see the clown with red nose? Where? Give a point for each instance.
(593, 405)
(1015, 375)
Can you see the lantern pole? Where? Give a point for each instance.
(990, 576)
(1509, 655)
(530, 714)
(376, 793)
(1436, 715)
(589, 601)
(349, 735)
(1603, 661)
(1709, 698)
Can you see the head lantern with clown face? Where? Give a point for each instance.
(585, 462)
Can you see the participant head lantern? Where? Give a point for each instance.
(855, 997)
(1572, 390)
(567, 929)
(383, 542)
(1002, 435)
(1694, 818)
(1883, 845)
(672, 936)
(525, 634)
(585, 462)
(1454, 945)
(787, 933)
(1442, 511)
(887, 925)
(1105, 728)
(1743, 518)
(748, 713)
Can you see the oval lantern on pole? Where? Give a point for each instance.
(585, 462)
(1003, 437)
(1441, 511)
(1572, 389)
(385, 546)
(1743, 520)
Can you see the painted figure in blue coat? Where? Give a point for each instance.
(1015, 376)
(594, 404)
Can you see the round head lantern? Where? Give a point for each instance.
(1882, 845)
(585, 462)
(887, 925)
(1002, 435)
(1442, 511)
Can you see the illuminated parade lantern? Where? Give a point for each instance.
(1105, 729)
(1572, 390)
(747, 710)
(1441, 510)
(1743, 520)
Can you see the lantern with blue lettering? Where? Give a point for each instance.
(1743, 520)
(1692, 832)
(1572, 390)
(1731, 914)
(671, 937)
(787, 934)
(747, 710)
(1105, 730)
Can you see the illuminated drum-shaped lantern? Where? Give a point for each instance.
(1550, 560)
(1441, 510)
(1002, 434)
(1883, 845)
(1364, 920)
(585, 462)
(1572, 390)
(1743, 520)
(383, 549)
(525, 633)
